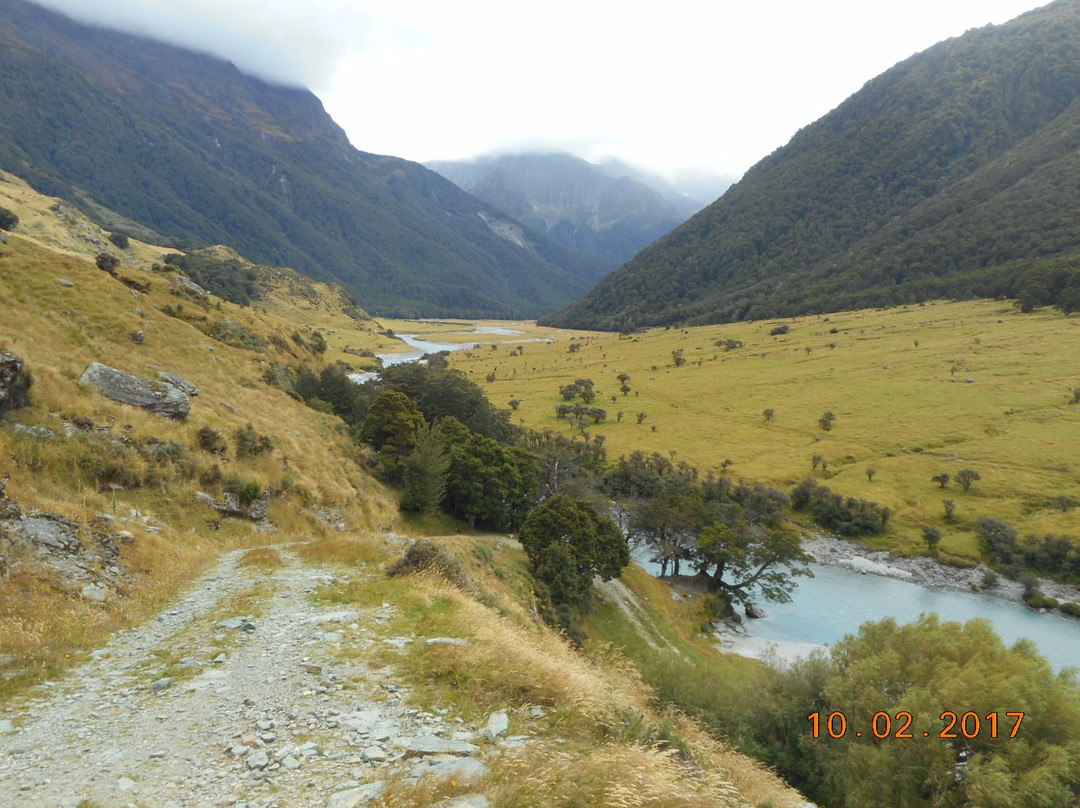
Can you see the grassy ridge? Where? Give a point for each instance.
(897, 381)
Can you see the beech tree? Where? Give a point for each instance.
(569, 542)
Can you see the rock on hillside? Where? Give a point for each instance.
(158, 397)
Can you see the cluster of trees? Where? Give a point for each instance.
(923, 669)
(1052, 554)
(732, 533)
(845, 516)
(229, 279)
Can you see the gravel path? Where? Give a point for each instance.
(209, 706)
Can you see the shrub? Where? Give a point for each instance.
(1070, 608)
(210, 440)
(8, 219)
(107, 263)
(780, 329)
(250, 443)
(1041, 601)
(120, 240)
(425, 556)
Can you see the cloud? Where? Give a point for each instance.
(294, 43)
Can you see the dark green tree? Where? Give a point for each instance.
(391, 427)
(424, 473)
(569, 542)
(8, 219)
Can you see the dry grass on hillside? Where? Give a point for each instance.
(127, 460)
(601, 741)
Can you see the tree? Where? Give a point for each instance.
(966, 477)
(678, 358)
(941, 479)
(8, 219)
(816, 460)
(424, 473)
(391, 427)
(826, 420)
(870, 472)
(488, 483)
(932, 537)
(667, 523)
(750, 556)
(569, 542)
(950, 510)
(121, 240)
(769, 414)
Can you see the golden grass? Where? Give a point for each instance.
(267, 558)
(58, 330)
(596, 702)
(896, 380)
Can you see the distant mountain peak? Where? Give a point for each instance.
(580, 205)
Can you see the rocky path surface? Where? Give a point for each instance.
(238, 695)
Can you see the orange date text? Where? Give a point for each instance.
(902, 725)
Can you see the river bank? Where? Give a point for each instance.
(925, 571)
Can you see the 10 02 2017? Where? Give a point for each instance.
(900, 724)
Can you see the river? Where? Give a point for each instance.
(420, 347)
(836, 601)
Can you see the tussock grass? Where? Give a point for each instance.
(267, 558)
(343, 548)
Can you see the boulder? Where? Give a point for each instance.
(179, 382)
(498, 725)
(154, 396)
(14, 382)
(755, 612)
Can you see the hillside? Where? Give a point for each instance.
(183, 150)
(600, 210)
(248, 539)
(948, 176)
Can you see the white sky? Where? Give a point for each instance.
(679, 86)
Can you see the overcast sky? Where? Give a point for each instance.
(676, 86)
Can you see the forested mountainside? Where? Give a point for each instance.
(183, 149)
(952, 175)
(599, 210)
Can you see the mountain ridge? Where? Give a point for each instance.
(896, 196)
(197, 153)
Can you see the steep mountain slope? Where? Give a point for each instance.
(950, 175)
(182, 148)
(601, 211)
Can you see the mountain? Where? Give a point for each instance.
(689, 193)
(182, 149)
(953, 174)
(603, 212)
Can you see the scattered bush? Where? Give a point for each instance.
(120, 240)
(780, 329)
(210, 440)
(107, 263)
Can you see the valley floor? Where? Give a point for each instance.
(237, 695)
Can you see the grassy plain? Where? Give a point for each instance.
(917, 391)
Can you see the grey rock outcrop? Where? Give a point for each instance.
(179, 382)
(755, 612)
(154, 396)
(14, 382)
